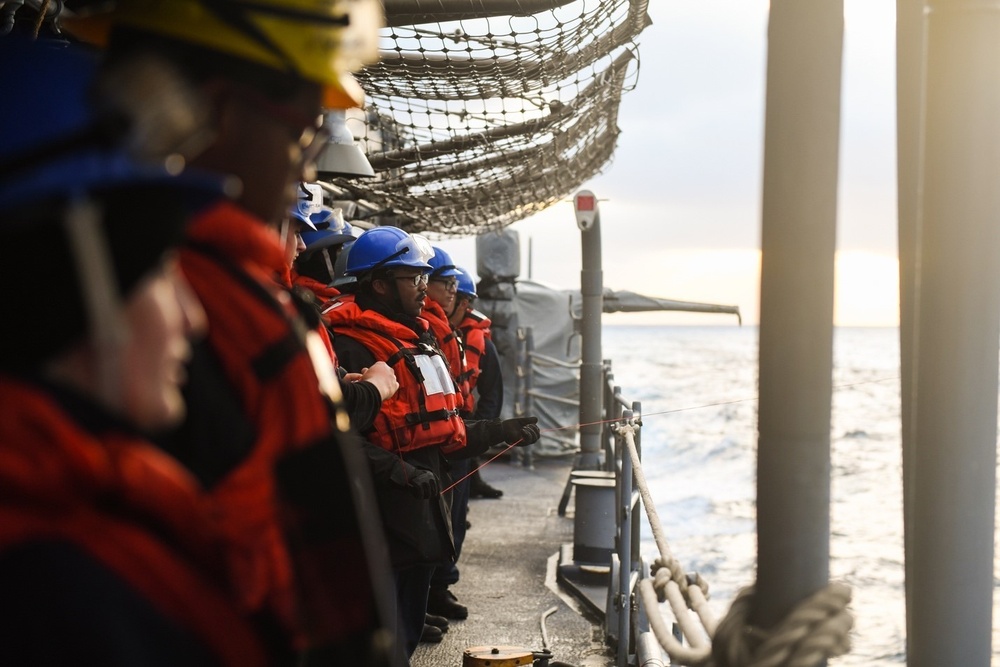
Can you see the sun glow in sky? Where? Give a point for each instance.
(681, 202)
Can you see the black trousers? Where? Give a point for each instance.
(412, 586)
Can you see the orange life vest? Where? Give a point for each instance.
(450, 341)
(235, 265)
(475, 328)
(126, 504)
(321, 294)
(424, 412)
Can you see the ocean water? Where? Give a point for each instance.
(697, 386)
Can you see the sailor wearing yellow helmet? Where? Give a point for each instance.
(266, 432)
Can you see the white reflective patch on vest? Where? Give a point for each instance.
(437, 379)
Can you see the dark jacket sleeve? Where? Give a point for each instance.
(352, 355)
(489, 386)
(363, 403)
(480, 434)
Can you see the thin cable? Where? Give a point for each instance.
(644, 415)
(473, 472)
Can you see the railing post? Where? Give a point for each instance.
(624, 518)
(523, 401)
(637, 516)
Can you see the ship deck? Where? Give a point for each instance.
(508, 574)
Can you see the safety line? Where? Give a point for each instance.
(474, 471)
(644, 415)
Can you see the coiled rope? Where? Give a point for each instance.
(817, 629)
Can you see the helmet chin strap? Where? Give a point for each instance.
(397, 299)
(393, 299)
(105, 309)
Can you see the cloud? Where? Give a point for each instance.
(681, 202)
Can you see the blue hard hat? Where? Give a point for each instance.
(323, 238)
(54, 143)
(325, 217)
(301, 212)
(341, 280)
(465, 284)
(63, 164)
(443, 266)
(322, 218)
(388, 247)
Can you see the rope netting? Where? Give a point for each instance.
(481, 113)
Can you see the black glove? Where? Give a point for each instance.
(418, 481)
(424, 484)
(520, 431)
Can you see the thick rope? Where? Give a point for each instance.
(666, 562)
(816, 629)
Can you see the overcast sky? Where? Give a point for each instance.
(680, 209)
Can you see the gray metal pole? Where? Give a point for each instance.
(952, 472)
(592, 289)
(909, 78)
(796, 312)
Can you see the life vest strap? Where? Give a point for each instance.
(423, 417)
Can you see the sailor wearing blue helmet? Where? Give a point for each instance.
(421, 425)
(106, 551)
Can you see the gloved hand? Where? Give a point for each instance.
(418, 481)
(521, 431)
(424, 484)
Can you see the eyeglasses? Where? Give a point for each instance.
(449, 285)
(310, 132)
(416, 281)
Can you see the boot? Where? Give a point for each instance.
(478, 488)
(439, 622)
(431, 634)
(443, 602)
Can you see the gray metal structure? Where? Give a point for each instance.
(951, 328)
(802, 134)
(592, 288)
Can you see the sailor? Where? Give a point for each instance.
(266, 432)
(107, 545)
(486, 385)
(299, 222)
(420, 428)
(481, 354)
(316, 229)
(484, 368)
(441, 288)
(314, 268)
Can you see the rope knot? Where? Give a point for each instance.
(666, 569)
(818, 628)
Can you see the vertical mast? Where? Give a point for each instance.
(952, 433)
(909, 80)
(798, 241)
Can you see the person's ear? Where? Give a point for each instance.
(380, 286)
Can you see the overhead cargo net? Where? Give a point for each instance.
(480, 114)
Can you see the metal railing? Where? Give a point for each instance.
(626, 627)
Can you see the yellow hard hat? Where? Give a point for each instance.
(318, 40)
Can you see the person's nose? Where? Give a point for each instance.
(195, 319)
